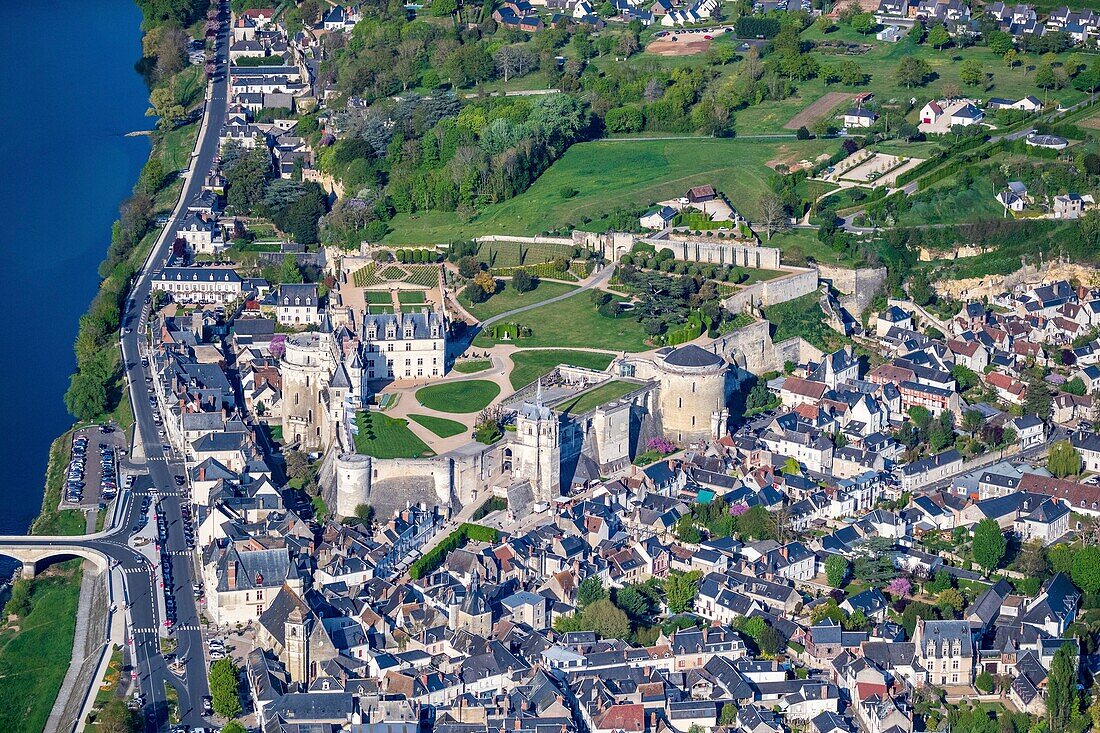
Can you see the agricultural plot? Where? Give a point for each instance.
(817, 110)
(514, 254)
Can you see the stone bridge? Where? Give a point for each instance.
(36, 553)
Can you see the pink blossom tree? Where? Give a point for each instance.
(899, 587)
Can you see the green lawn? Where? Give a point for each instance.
(391, 437)
(628, 174)
(442, 427)
(589, 400)
(507, 299)
(471, 366)
(33, 660)
(411, 297)
(799, 244)
(573, 322)
(458, 397)
(378, 297)
(530, 365)
(51, 520)
(949, 204)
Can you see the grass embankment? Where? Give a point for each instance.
(507, 299)
(620, 174)
(382, 436)
(458, 397)
(593, 398)
(803, 317)
(35, 652)
(441, 426)
(530, 365)
(575, 322)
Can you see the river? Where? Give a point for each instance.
(70, 95)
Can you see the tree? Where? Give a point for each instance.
(912, 72)
(589, 591)
(951, 598)
(972, 422)
(486, 282)
(1064, 460)
(772, 213)
(86, 398)
(984, 682)
(770, 642)
(468, 266)
(971, 72)
(938, 37)
(1062, 700)
(364, 513)
(680, 590)
(836, 570)
(1085, 570)
(1011, 58)
(233, 727)
(687, 532)
(920, 289)
(920, 416)
(515, 60)
(115, 717)
(864, 23)
(165, 107)
(522, 282)
(1045, 77)
(1000, 42)
(224, 684)
(606, 620)
(1038, 400)
(633, 602)
(289, 272)
(152, 176)
(989, 545)
(728, 716)
(940, 582)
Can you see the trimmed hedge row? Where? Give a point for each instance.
(431, 561)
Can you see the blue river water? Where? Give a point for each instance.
(71, 94)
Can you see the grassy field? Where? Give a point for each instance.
(948, 204)
(507, 299)
(392, 437)
(51, 520)
(411, 297)
(378, 297)
(441, 426)
(175, 147)
(586, 401)
(530, 365)
(628, 174)
(33, 660)
(471, 366)
(573, 322)
(458, 397)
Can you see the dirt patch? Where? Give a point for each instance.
(678, 45)
(813, 112)
(786, 155)
(867, 6)
(1093, 123)
(1029, 275)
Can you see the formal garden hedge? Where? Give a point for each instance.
(466, 532)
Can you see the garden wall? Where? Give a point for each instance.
(772, 292)
(751, 348)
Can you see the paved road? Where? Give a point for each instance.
(163, 467)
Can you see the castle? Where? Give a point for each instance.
(327, 375)
(680, 393)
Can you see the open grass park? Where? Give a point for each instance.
(458, 397)
(614, 174)
(530, 365)
(441, 426)
(387, 437)
(589, 400)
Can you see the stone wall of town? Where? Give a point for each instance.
(751, 349)
(797, 283)
(858, 287)
(392, 483)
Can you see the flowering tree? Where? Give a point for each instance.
(899, 587)
(278, 345)
(661, 445)
(738, 509)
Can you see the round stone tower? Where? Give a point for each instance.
(692, 397)
(353, 480)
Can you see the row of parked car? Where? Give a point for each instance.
(166, 569)
(74, 478)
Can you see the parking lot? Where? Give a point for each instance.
(92, 474)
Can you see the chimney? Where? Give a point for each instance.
(232, 579)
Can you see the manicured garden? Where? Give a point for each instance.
(378, 297)
(530, 365)
(575, 322)
(441, 426)
(472, 366)
(411, 297)
(387, 437)
(610, 175)
(591, 399)
(507, 298)
(458, 397)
